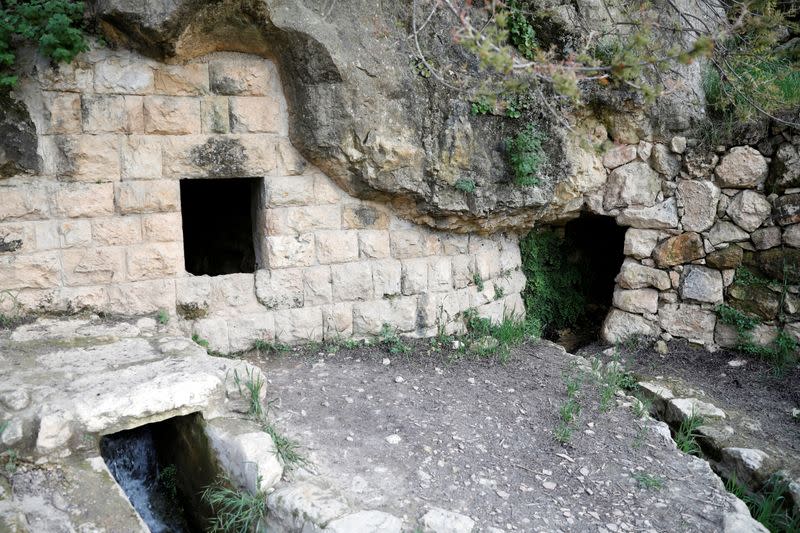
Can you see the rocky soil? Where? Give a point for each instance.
(411, 433)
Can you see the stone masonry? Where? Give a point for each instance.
(100, 228)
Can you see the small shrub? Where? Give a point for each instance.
(507, 334)
(570, 410)
(235, 511)
(526, 156)
(261, 345)
(478, 281)
(498, 292)
(465, 185)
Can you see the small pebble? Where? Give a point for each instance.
(394, 439)
(386, 361)
(399, 379)
(549, 485)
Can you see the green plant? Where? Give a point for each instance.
(54, 25)
(478, 281)
(235, 511)
(200, 340)
(686, 435)
(486, 338)
(526, 155)
(520, 31)
(641, 407)
(420, 68)
(648, 481)
(287, 450)
(570, 410)
(768, 505)
(498, 292)
(262, 345)
(781, 352)
(481, 106)
(250, 388)
(162, 317)
(465, 185)
(390, 338)
(562, 432)
(555, 287)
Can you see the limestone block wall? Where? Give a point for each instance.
(707, 226)
(100, 227)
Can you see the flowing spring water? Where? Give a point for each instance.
(131, 457)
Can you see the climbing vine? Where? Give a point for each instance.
(54, 26)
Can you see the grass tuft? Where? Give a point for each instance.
(648, 481)
(235, 511)
(250, 388)
(686, 435)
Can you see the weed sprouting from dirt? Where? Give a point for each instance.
(235, 511)
(265, 346)
(250, 388)
(648, 481)
(392, 340)
(686, 435)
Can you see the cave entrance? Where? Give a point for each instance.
(218, 225)
(163, 469)
(586, 255)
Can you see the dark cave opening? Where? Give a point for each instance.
(594, 245)
(218, 225)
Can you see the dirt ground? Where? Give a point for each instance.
(761, 396)
(407, 432)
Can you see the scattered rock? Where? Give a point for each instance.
(661, 347)
(441, 521)
(394, 439)
(366, 522)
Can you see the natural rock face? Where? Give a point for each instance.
(743, 167)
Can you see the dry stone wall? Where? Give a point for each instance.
(705, 229)
(100, 227)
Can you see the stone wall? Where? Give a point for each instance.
(695, 216)
(99, 228)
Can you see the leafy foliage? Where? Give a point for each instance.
(520, 31)
(526, 155)
(465, 185)
(768, 505)
(554, 292)
(481, 106)
(392, 340)
(507, 334)
(53, 25)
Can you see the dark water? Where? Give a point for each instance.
(133, 461)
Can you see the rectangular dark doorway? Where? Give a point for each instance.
(218, 232)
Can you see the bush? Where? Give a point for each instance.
(554, 291)
(526, 155)
(520, 31)
(52, 24)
